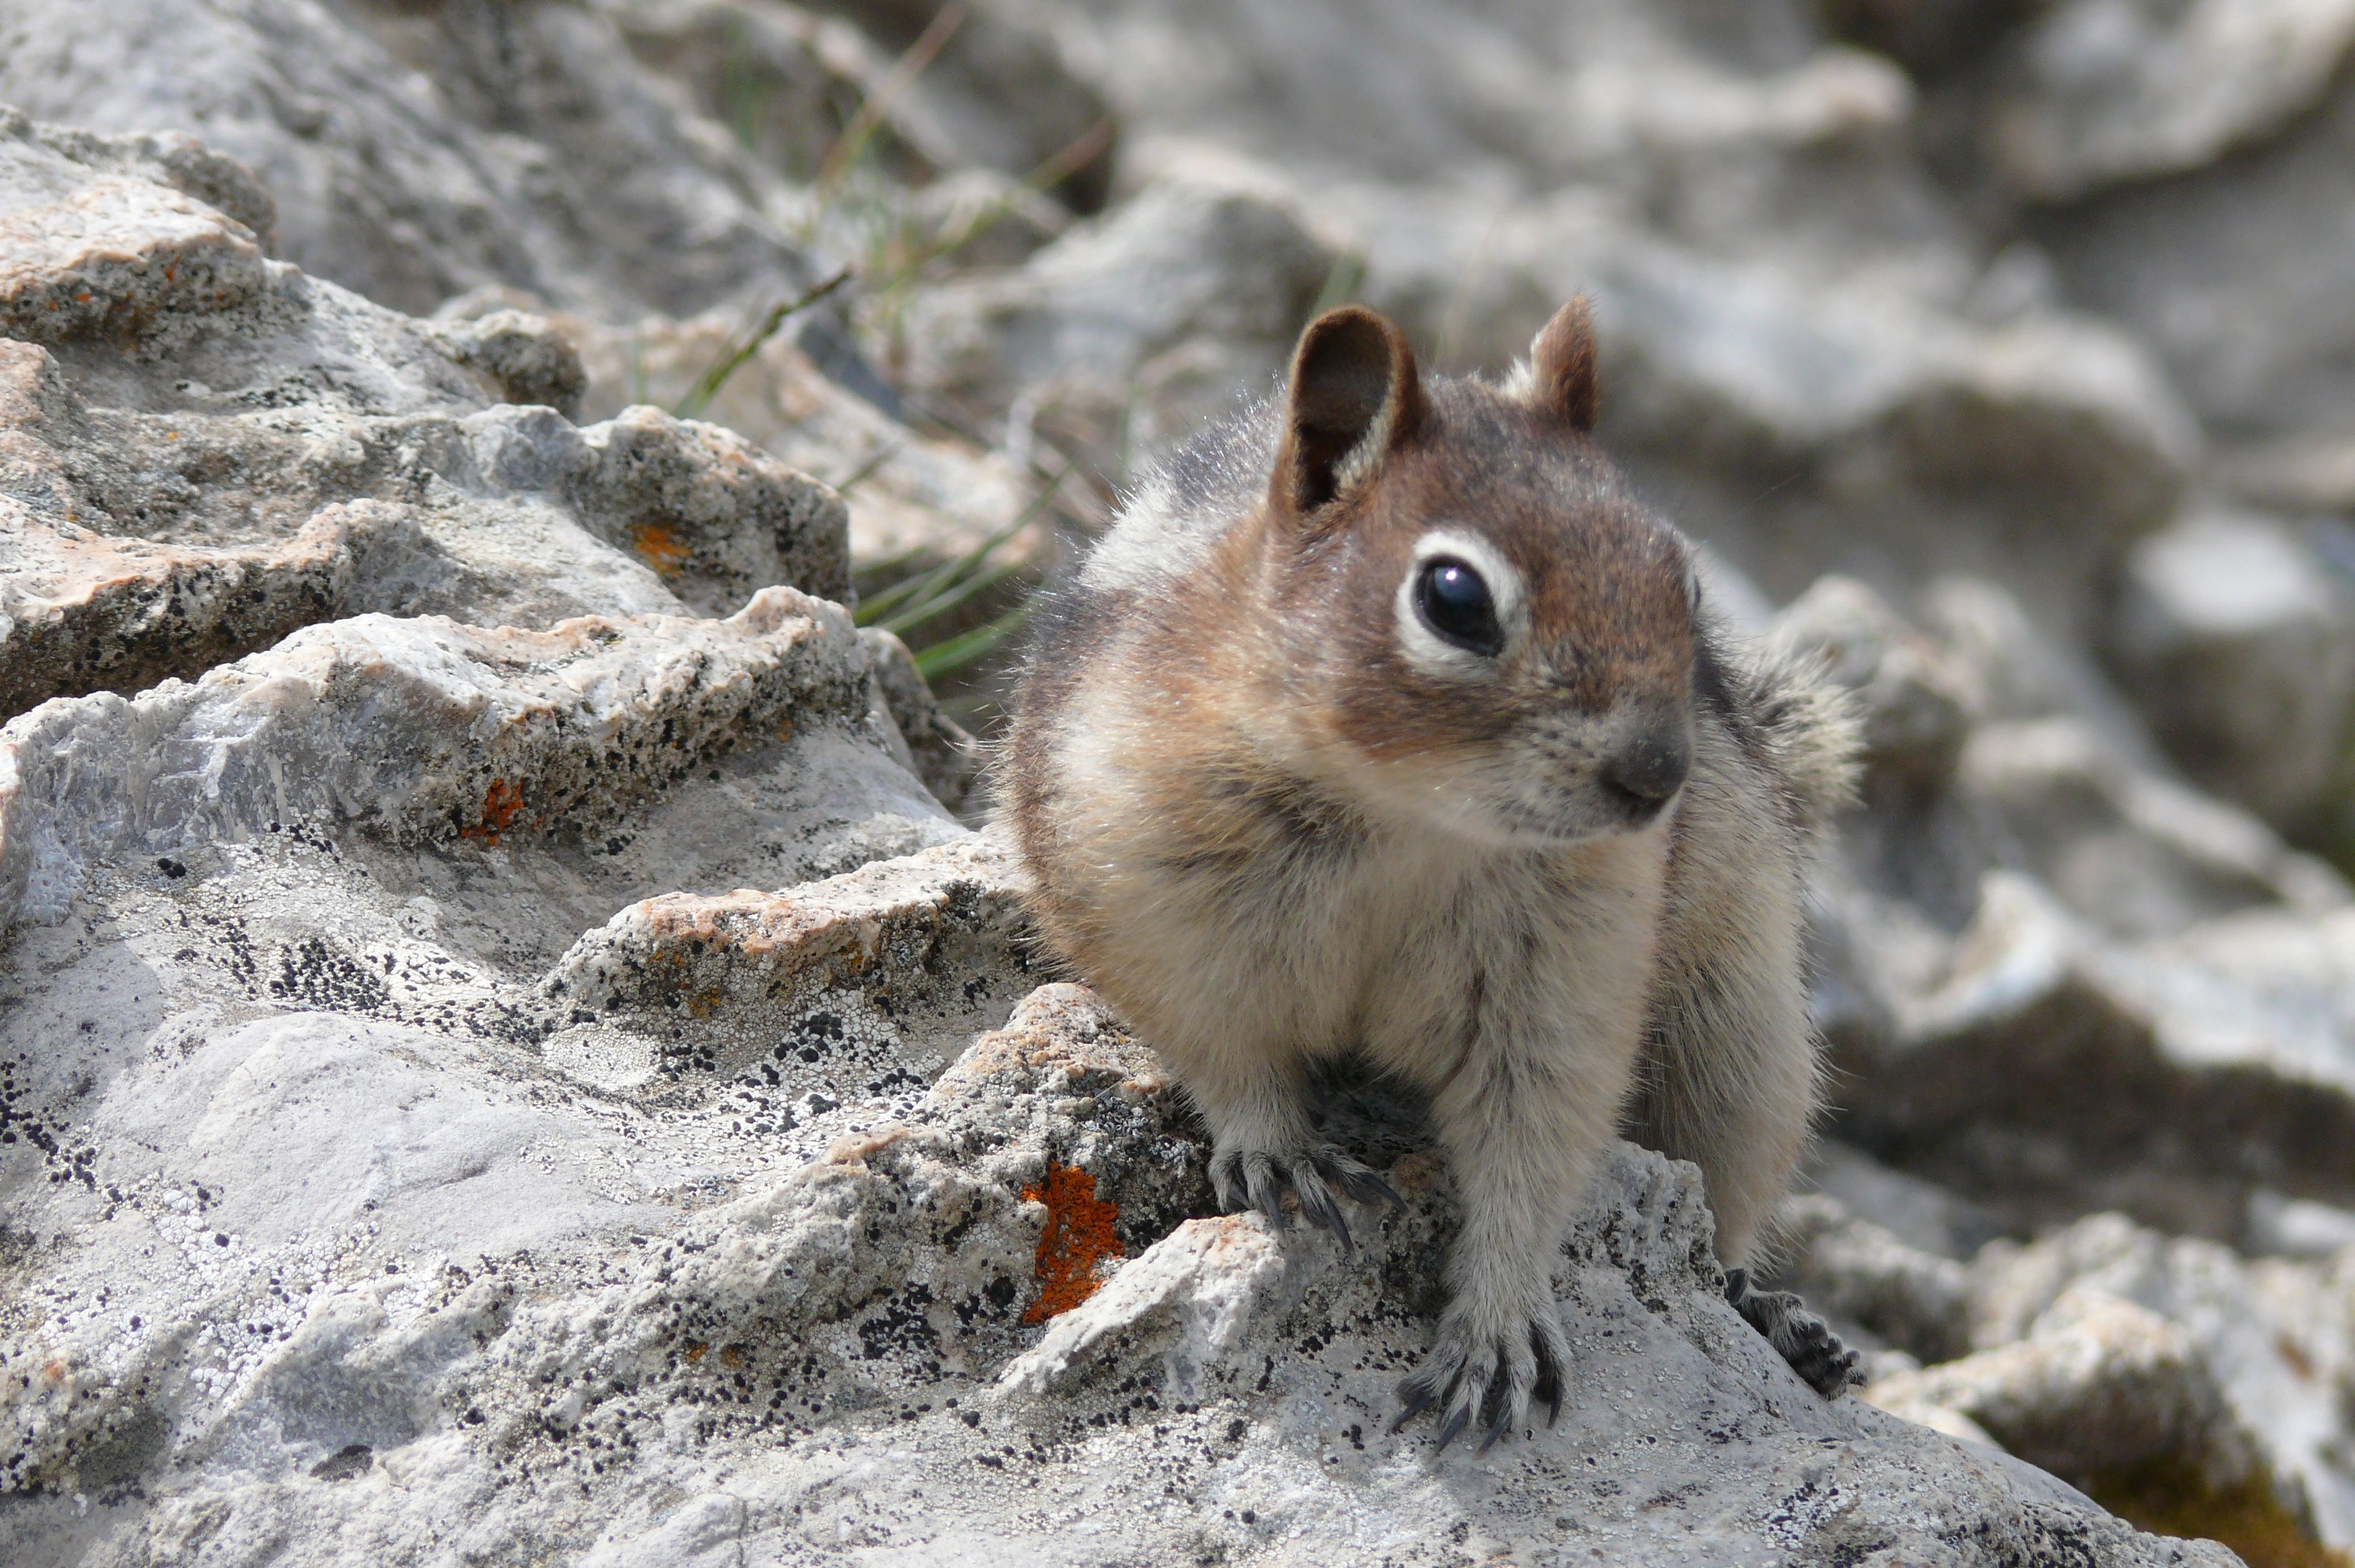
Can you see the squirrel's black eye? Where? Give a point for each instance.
(1455, 603)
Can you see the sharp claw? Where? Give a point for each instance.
(1266, 1191)
(1357, 1182)
(1548, 1389)
(1455, 1427)
(1327, 1213)
(1411, 1403)
(1341, 1228)
(1550, 1380)
(1504, 1419)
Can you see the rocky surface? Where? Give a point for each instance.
(506, 1052)
(511, 1321)
(418, 151)
(310, 455)
(2101, 92)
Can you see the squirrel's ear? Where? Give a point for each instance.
(1561, 361)
(1355, 396)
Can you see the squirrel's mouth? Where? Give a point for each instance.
(1592, 810)
(1610, 820)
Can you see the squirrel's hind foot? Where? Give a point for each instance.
(1257, 1179)
(1799, 1336)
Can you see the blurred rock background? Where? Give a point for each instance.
(2001, 350)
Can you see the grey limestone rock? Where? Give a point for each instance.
(2102, 1386)
(2235, 274)
(2237, 638)
(1107, 327)
(92, 252)
(529, 356)
(210, 449)
(1862, 1273)
(2244, 1352)
(417, 152)
(901, 959)
(994, 90)
(2099, 92)
(2185, 1068)
(942, 752)
(917, 499)
(577, 1354)
(418, 730)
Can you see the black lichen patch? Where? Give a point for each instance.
(49, 1130)
(813, 1038)
(902, 1327)
(351, 1460)
(317, 973)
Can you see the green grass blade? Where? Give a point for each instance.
(866, 470)
(871, 113)
(708, 385)
(942, 604)
(943, 578)
(959, 651)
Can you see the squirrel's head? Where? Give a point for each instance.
(1490, 632)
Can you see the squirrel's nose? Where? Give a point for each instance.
(1649, 769)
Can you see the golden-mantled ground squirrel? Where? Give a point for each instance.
(1387, 720)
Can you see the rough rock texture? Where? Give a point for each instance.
(1127, 332)
(941, 750)
(2102, 1350)
(2052, 904)
(915, 499)
(904, 959)
(209, 450)
(507, 1057)
(497, 1317)
(2247, 296)
(994, 92)
(420, 150)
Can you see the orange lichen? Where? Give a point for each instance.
(502, 803)
(1078, 1238)
(663, 549)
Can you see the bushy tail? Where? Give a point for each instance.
(1812, 729)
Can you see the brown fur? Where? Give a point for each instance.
(1273, 811)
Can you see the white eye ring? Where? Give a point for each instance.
(1426, 649)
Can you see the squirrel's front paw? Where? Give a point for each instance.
(1257, 1179)
(1472, 1372)
(1804, 1339)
